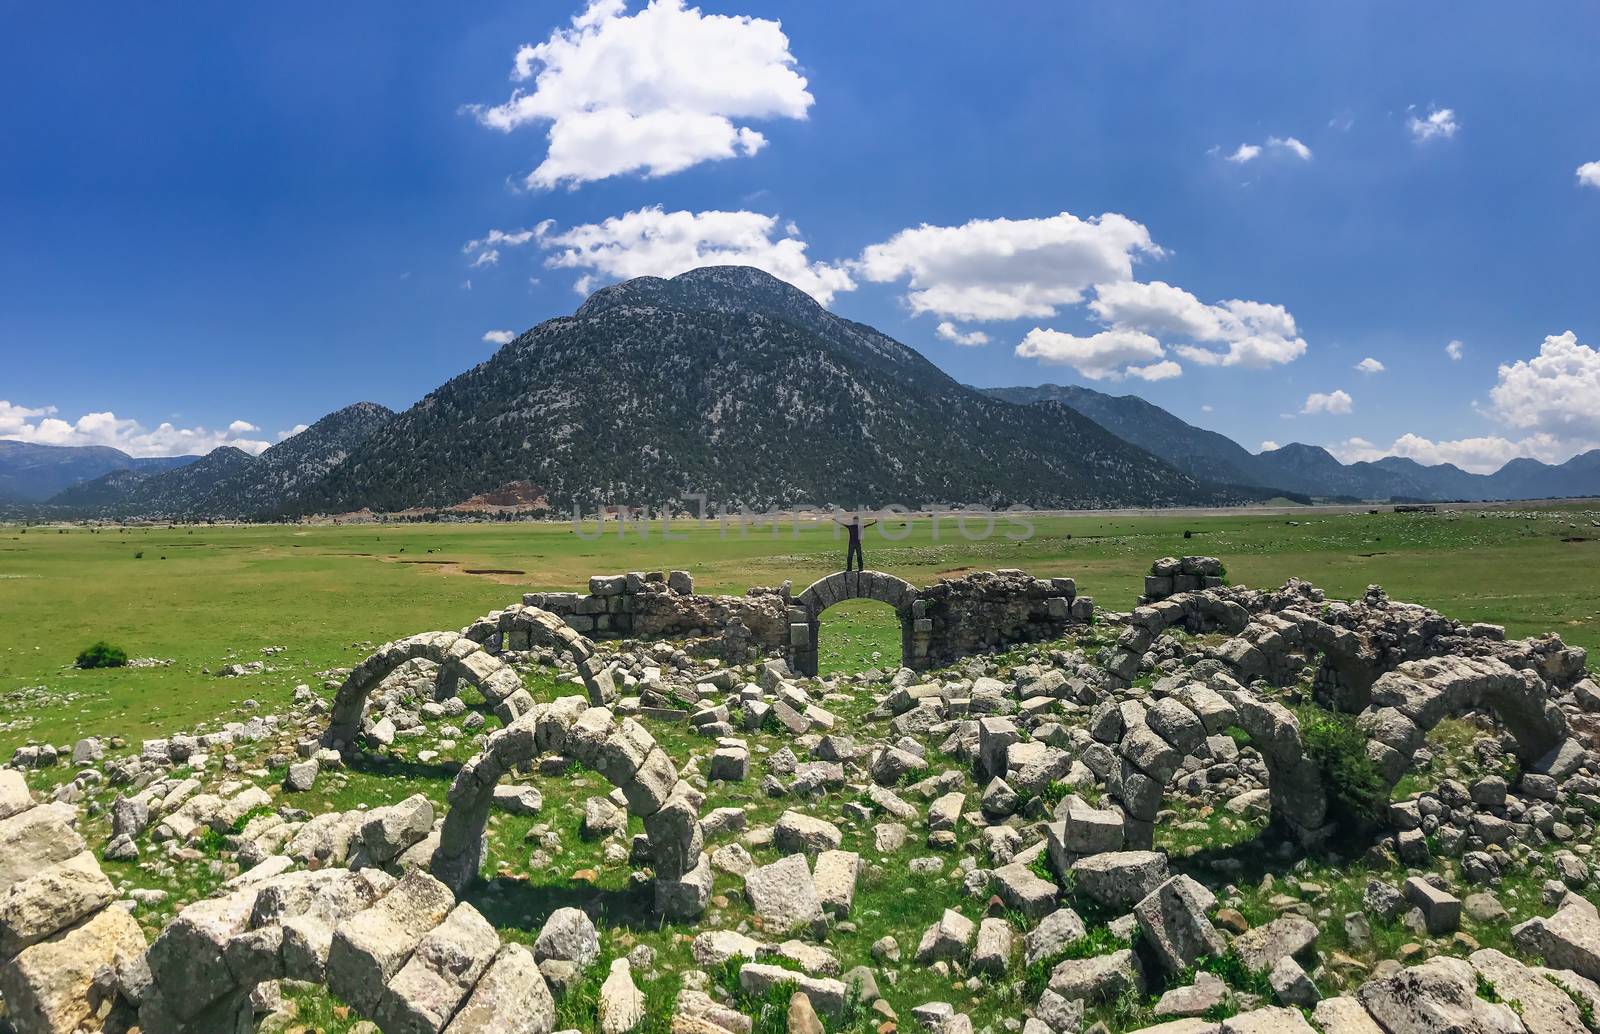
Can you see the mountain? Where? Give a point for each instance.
(1204, 454)
(228, 482)
(173, 493)
(727, 381)
(1308, 469)
(32, 473)
(283, 473)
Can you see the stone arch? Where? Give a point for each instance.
(458, 658)
(623, 752)
(520, 627)
(805, 615)
(1138, 749)
(1409, 701)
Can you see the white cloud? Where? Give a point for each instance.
(650, 242)
(1268, 446)
(1440, 124)
(1453, 350)
(1278, 145)
(291, 432)
(499, 337)
(1291, 145)
(1333, 403)
(948, 332)
(1589, 175)
(1370, 365)
(653, 92)
(1482, 455)
(41, 426)
(1557, 392)
(1162, 371)
(1004, 269)
(1256, 334)
(1108, 355)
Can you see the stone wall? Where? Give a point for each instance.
(989, 611)
(665, 606)
(1171, 575)
(954, 618)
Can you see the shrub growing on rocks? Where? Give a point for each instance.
(102, 655)
(1357, 792)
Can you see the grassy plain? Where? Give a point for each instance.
(208, 596)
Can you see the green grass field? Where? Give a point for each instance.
(208, 596)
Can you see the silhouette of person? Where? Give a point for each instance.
(854, 526)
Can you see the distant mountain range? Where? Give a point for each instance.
(1309, 469)
(229, 482)
(726, 381)
(32, 473)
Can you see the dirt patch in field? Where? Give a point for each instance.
(503, 575)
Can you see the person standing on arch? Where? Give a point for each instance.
(854, 526)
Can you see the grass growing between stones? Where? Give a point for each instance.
(207, 596)
(539, 863)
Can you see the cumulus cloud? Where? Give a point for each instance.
(1162, 371)
(1370, 365)
(1482, 455)
(1333, 403)
(41, 426)
(651, 242)
(1589, 175)
(1255, 334)
(1108, 355)
(1440, 124)
(498, 337)
(1286, 146)
(1268, 446)
(1005, 269)
(291, 432)
(1453, 350)
(653, 92)
(948, 332)
(1557, 392)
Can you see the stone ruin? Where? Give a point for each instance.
(954, 618)
(377, 920)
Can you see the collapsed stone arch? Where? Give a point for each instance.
(1261, 644)
(623, 752)
(1138, 750)
(805, 614)
(1409, 701)
(520, 627)
(471, 656)
(458, 658)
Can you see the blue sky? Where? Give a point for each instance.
(232, 222)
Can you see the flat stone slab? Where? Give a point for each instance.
(784, 895)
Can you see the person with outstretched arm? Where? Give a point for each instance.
(854, 526)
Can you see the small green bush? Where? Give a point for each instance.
(102, 655)
(1357, 793)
